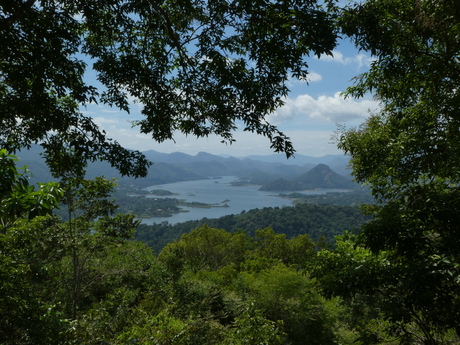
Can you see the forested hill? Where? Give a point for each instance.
(321, 176)
(315, 220)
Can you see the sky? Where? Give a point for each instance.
(310, 116)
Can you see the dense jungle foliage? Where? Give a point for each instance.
(210, 67)
(84, 281)
(318, 221)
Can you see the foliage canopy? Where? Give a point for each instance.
(408, 153)
(198, 67)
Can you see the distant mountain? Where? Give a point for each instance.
(175, 167)
(320, 176)
(263, 176)
(171, 158)
(338, 163)
(299, 159)
(207, 164)
(159, 173)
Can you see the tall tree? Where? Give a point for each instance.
(198, 67)
(409, 154)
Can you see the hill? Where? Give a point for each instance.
(320, 176)
(317, 221)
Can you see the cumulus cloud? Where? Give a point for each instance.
(314, 143)
(309, 121)
(324, 108)
(313, 76)
(359, 60)
(306, 139)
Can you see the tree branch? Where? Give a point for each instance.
(19, 14)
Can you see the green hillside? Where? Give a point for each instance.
(321, 176)
(316, 221)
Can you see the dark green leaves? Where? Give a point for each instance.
(196, 67)
(408, 153)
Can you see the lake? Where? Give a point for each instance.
(219, 192)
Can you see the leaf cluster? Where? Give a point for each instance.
(408, 155)
(194, 67)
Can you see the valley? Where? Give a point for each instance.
(169, 192)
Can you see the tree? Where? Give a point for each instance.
(89, 232)
(28, 248)
(205, 248)
(196, 67)
(53, 272)
(408, 153)
(415, 77)
(251, 328)
(18, 199)
(28, 252)
(288, 296)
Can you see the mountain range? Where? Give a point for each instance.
(175, 167)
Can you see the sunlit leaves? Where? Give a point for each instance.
(18, 199)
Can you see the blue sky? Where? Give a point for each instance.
(309, 117)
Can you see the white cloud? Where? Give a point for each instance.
(314, 143)
(336, 57)
(313, 76)
(359, 60)
(324, 108)
(363, 60)
(105, 121)
(308, 121)
(306, 141)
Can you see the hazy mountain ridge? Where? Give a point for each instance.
(321, 176)
(177, 166)
(338, 163)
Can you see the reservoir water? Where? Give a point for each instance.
(228, 198)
